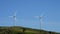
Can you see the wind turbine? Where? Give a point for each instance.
(40, 20)
(14, 18)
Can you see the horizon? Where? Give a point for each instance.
(27, 9)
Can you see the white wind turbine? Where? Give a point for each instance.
(14, 18)
(40, 20)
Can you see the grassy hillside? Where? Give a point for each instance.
(23, 30)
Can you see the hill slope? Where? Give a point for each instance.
(23, 30)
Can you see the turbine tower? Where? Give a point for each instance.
(40, 20)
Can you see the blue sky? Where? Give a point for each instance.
(27, 9)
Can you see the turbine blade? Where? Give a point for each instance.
(15, 19)
(11, 16)
(15, 14)
(42, 15)
(36, 16)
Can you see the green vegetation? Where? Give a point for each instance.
(23, 30)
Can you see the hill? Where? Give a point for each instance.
(23, 30)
